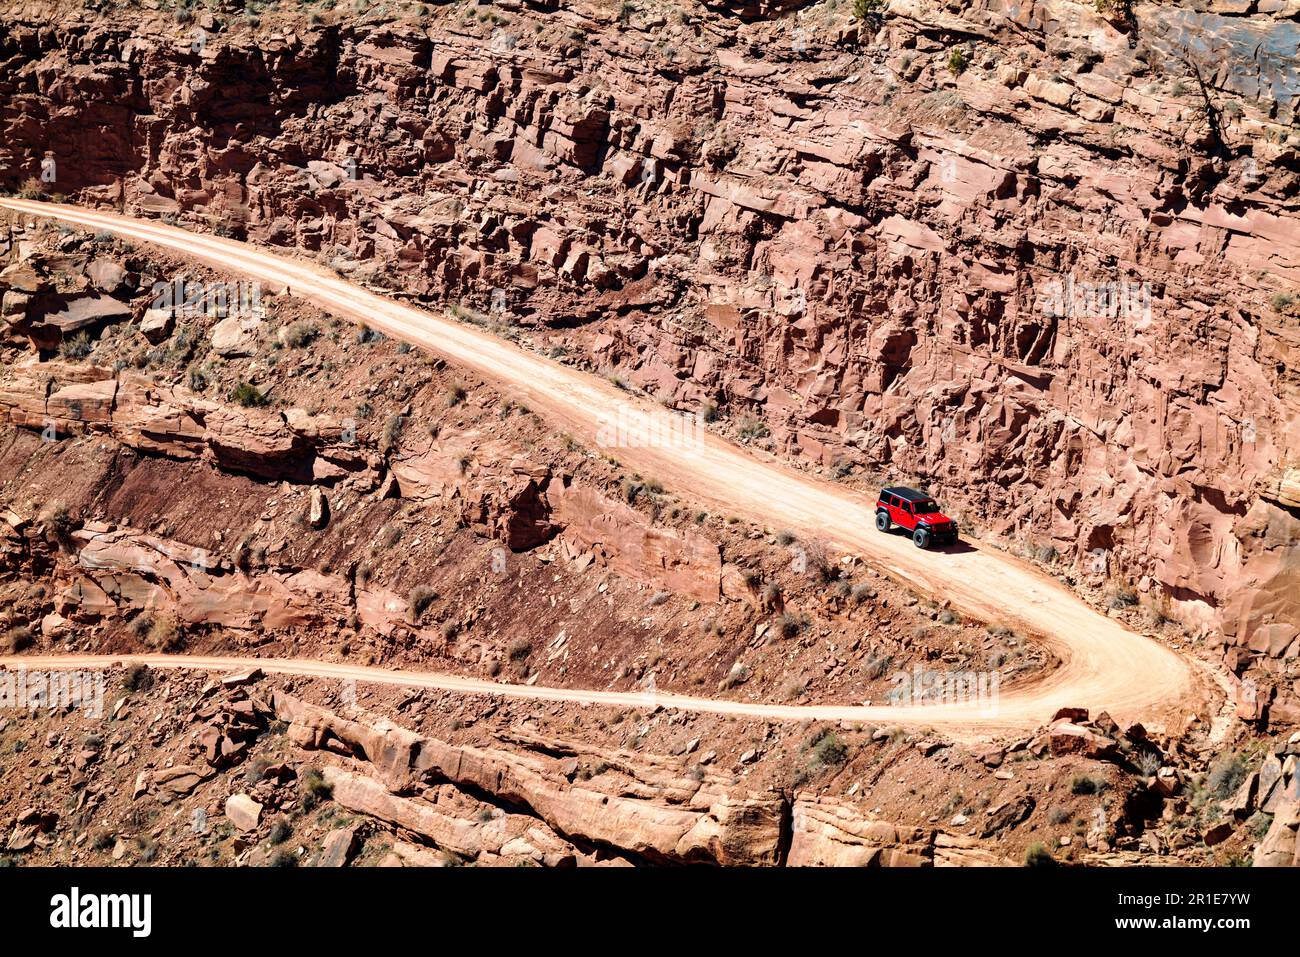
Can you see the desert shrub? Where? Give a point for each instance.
(1148, 763)
(862, 592)
(1123, 598)
(313, 790)
(1258, 824)
(792, 689)
(280, 831)
(519, 649)
(750, 428)
(16, 639)
(819, 562)
(1058, 815)
(829, 751)
(789, 625)
(785, 537)
(1086, 784)
(298, 335)
(421, 597)
(660, 597)
(867, 9)
(248, 395)
(165, 633)
(875, 667)
(455, 395)
(1227, 772)
(78, 347)
(137, 677)
(1037, 855)
(957, 62)
(392, 434)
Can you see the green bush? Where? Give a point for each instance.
(78, 347)
(248, 395)
(1227, 772)
(829, 751)
(1037, 855)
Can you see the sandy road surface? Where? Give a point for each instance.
(1103, 664)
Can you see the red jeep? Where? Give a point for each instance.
(916, 512)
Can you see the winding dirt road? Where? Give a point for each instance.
(1103, 664)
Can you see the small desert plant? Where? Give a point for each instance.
(1123, 598)
(789, 625)
(1227, 771)
(750, 428)
(957, 62)
(391, 437)
(248, 395)
(829, 751)
(137, 677)
(314, 790)
(165, 633)
(16, 639)
(519, 649)
(300, 334)
(1037, 855)
(421, 597)
(78, 347)
(1086, 784)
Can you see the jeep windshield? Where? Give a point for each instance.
(928, 507)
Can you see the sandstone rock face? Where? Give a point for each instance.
(691, 821)
(642, 806)
(1050, 283)
(829, 832)
(623, 538)
(172, 421)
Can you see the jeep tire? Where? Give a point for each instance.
(882, 520)
(922, 538)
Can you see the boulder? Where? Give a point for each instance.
(243, 812)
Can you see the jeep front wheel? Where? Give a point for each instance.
(922, 538)
(882, 521)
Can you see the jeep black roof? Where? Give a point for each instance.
(905, 493)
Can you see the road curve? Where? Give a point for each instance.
(1103, 664)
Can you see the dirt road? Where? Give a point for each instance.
(1103, 664)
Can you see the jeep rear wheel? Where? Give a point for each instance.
(922, 538)
(882, 520)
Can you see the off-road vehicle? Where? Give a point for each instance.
(916, 512)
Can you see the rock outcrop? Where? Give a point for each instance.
(566, 796)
